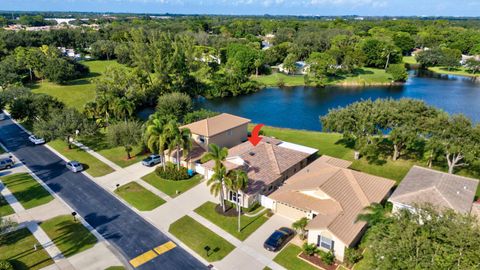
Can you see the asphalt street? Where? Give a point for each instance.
(129, 233)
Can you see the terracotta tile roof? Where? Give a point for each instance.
(216, 125)
(422, 185)
(336, 194)
(263, 163)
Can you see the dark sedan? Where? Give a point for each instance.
(278, 239)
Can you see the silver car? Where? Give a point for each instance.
(74, 166)
(6, 163)
(152, 160)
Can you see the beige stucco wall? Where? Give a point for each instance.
(289, 212)
(230, 137)
(338, 246)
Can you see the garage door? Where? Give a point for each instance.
(289, 212)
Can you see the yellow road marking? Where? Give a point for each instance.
(165, 247)
(145, 257)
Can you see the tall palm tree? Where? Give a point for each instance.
(123, 108)
(90, 109)
(155, 137)
(374, 214)
(178, 139)
(104, 103)
(216, 183)
(237, 181)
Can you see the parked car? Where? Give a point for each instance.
(6, 163)
(74, 166)
(278, 239)
(152, 160)
(35, 140)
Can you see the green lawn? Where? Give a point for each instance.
(199, 238)
(5, 208)
(288, 259)
(229, 224)
(170, 187)
(71, 237)
(26, 190)
(77, 92)
(275, 78)
(409, 60)
(117, 155)
(90, 163)
(139, 197)
(461, 71)
(17, 247)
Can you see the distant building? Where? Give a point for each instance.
(300, 68)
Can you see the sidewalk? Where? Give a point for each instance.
(97, 155)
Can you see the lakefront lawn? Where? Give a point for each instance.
(461, 71)
(171, 187)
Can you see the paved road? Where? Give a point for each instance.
(122, 227)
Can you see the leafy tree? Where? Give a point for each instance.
(217, 181)
(398, 72)
(380, 53)
(175, 104)
(289, 63)
(237, 181)
(404, 41)
(322, 65)
(198, 115)
(103, 49)
(300, 226)
(125, 134)
(451, 58)
(473, 65)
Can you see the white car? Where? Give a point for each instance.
(74, 166)
(36, 140)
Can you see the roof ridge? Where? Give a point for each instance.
(445, 198)
(206, 124)
(271, 155)
(444, 173)
(412, 193)
(356, 187)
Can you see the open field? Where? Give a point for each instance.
(71, 237)
(139, 197)
(76, 92)
(17, 248)
(91, 164)
(170, 187)
(26, 190)
(198, 237)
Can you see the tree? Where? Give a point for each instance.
(126, 134)
(216, 182)
(5, 226)
(473, 65)
(430, 58)
(373, 214)
(379, 53)
(300, 226)
(451, 58)
(398, 72)
(64, 124)
(198, 115)
(178, 139)
(123, 108)
(154, 134)
(175, 104)
(289, 63)
(322, 65)
(237, 181)
(103, 49)
(404, 41)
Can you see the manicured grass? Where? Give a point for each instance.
(90, 163)
(5, 208)
(274, 79)
(75, 93)
(115, 268)
(288, 259)
(117, 155)
(170, 187)
(26, 190)
(198, 237)
(409, 60)
(71, 237)
(139, 197)
(229, 224)
(17, 247)
(461, 71)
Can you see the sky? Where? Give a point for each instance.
(258, 7)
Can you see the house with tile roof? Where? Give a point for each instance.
(331, 196)
(439, 189)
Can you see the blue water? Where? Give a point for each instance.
(300, 107)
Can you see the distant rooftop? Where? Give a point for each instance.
(215, 125)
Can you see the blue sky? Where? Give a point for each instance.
(258, 7)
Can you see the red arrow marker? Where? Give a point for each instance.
(254, 138)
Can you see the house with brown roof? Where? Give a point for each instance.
(268, 165)
(331, 196)
(439, 189)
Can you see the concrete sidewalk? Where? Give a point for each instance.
(97, 155)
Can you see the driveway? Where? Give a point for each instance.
(122, 227)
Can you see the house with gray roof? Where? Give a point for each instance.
(439, 189)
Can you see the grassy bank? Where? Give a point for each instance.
(139, 197)
(409, 60)
(361, 77)
(77, 92)
(461, 71)
(26, 190)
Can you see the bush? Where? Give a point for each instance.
(352, 256)
(398, 72)
(310, 249)
(5, 265)
(171, 172)
(327, 257)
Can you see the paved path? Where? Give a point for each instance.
(122, 227)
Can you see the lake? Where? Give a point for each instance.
(300, 107)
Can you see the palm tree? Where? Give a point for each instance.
(178, 139)
(237, 180)
(300, 226)
(91, 110)
(155, 137)
(104, 103)
(123, 108)
(374, 214)
(218, 155)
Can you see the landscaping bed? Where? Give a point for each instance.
(198, 237)
(5, 208)
(26, 190)
(91, 164)
(17, 248)
(170, 187)
(70, 236)
(317, 261)
(139, 197)
(289, 259)
(229, 223)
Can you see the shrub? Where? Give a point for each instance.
(398, 72)
(5, 265)
(171, 172)
(310, 249)
(327, 257)
(352, 256)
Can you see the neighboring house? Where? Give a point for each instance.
(467, 57)
(268, 165)
(300, 68)
(439, 189)
(331, 196)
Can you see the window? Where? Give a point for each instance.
(201, 139)
(233, 196)
(229, 133)
(325, 242)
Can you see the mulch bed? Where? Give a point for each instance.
(315, 260)
(230, 211)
